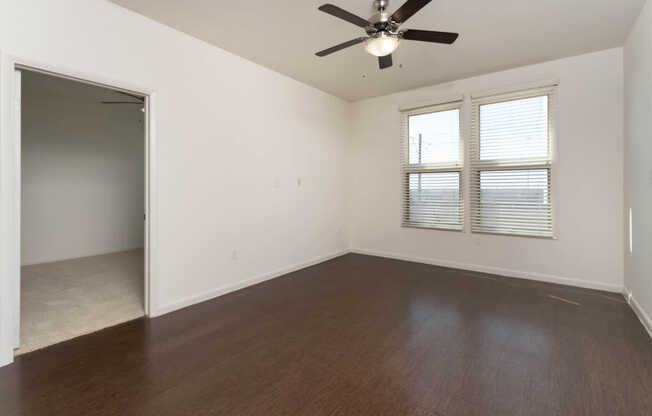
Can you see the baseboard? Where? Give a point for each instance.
(223, 290)
(638, 310)
(90, 254)
(540, 277)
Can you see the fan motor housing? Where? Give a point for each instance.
(381, 22)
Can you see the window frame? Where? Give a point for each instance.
(453, 167)
(477, 165)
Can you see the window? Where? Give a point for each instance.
(432, 168)
(511, 164)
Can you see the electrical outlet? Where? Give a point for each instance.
(299, 182)
(234, 255)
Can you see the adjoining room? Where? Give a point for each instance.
(82, 232)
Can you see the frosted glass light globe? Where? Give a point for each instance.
(382, 44)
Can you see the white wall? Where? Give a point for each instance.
(233, 140)
(83, 169)
(638, 158)
(588, 191)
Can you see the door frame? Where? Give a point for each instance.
(10, 189)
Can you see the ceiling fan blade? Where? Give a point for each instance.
(409, 8)
(340, 46)
(430, 36)
(344, 15)
(385, 61)
(138, 97)
(121, 102)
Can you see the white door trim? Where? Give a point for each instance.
(10, 190)
(17, 131)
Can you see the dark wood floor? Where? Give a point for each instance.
(357, 335)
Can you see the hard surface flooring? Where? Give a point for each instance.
(357, 335)
(66, 299)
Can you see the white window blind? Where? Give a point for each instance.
(511, 163)
(432, 167)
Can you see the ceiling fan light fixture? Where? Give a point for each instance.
(382, 44)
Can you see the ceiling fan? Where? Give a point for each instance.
(139, 100)
(383, 34)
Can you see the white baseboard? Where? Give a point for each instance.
(223, 290)
(540, 277)
(78, 256)
(638, 310)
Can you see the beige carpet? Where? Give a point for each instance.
(69, 298)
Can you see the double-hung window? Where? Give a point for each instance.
(432, 167)
(511, 158)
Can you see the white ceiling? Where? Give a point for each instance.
(494, 34)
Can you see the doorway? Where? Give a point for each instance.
(82, 176)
